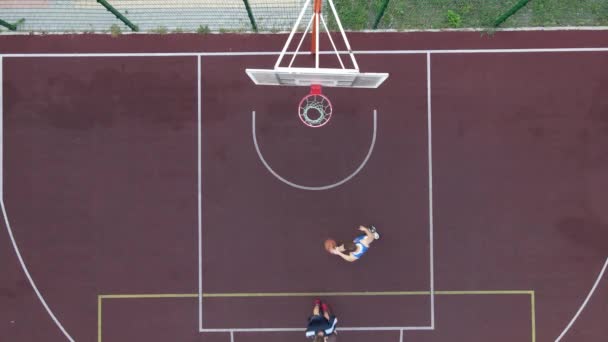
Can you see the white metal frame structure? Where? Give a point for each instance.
(327, 77)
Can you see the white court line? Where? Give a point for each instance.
(258, 53)
(273, 53)
(232, 336)
(6, 221)
(29, 277)
(478, 51)
(1, 130)
(401, 335)
(302, 329)
(323, 187)
(432, 288)
(430, 165)
(138, 54)
(597, 281)
(463, 29)
(200, 197)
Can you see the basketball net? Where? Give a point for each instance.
(315, 108)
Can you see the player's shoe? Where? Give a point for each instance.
(374, 232)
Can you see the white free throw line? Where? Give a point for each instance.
(6, 221)
(233, 330)
(597, 281)
(200, 197)
(323, 187)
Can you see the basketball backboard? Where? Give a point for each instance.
(326, 77)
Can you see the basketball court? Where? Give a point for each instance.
(152, 192)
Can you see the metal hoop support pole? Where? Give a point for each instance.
(314, 49)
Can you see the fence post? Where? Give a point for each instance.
(8, 25)
(519, 5)
(250, 14)
(380, 13)
(118, 15)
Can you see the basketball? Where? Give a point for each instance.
(329, 245)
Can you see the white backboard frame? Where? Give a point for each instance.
(326, 77)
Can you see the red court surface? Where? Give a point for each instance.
(151, 192)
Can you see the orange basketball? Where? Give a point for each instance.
(330, 244)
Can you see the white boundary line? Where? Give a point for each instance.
(27, 274)
(480, 51)
(430, 172)
(323, 187)
(401, 335)
(272, 53)
(1, 129)
(6, 221)
(464, 29)
(200, 196)
(597, 281)
(261, 53)
(376, 31)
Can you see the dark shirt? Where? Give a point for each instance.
(320, 323)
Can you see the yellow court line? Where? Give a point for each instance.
(497, 292)
(148, 296)
(533, 310)
(101, 297)
(310, 294)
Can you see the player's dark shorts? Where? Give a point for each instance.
(318, 323)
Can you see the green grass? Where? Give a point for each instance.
(115, 30)
(203, 29)
(354, 14)
(160, 30)
(454, 19)
(561, 13)
(438, 14)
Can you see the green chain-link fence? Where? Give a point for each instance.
(150, 15)
(163, 16)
